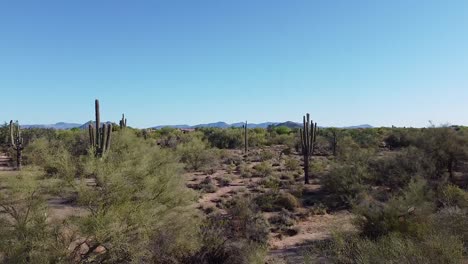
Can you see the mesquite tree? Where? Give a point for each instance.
(308, 137)
(16, 142)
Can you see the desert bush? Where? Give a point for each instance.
(196, 155)
(270, 182)
(274, 201)
(406, 213)
(318, 209)
(282, 221)
(207, 186)
(317, 166)
(230, 138)
(224, 180)
(347, 148)
(266, 155)
(451, 195)
(282, 130)
(26, 234)
(346, 182)
(365, 138)
(394, 248)
(263, 169)
(292, 164)
(396, 171)
(452, 221)
(139, 199)
(244, 170)
(238, 239)
(444, 147)
(52, 156)
(399, 138)
(297, 190)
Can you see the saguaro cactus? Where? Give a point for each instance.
(16, 142)
(246, 142)
(308, 137)
(123, 122)
(334, 140)
(100, 137)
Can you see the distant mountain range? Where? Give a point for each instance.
(58, 126)
(290, 124)
(220, 125)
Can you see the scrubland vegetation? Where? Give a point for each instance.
(168, 196)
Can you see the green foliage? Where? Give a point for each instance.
(407, 213)
(196, 155)
(26, 234)
(346, 182)
(244, 170)
(444, 147)
(282, 130)
(292, 164)
(266, 155)
(240, 238)
(396, 171)
(263, 169)
(366, 138)
(451, 196)
(231, 138)
(53, 157)
(274, 201)
(138, 199)
(433, 248)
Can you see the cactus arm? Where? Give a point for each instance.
(98, 121)
(108, 140)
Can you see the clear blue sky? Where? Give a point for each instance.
(346, 62)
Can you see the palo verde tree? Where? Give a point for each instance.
(308, 137)
(100, 137)
(16, 142)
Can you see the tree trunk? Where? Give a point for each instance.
(306, 169)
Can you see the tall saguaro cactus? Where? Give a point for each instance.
(16, 142)
(308, 137)
(100, 137)
(334, 140)
(246, 140)
(123, 122)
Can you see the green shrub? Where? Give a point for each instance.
(275, 201)
(263, 169)
(270, 182)
(282, 221)
(244, 170)
(434, 248)
(292, 164)
(266, 155)
(26, 233)
(52, 156)
(239, 238)
(345, 183)
(139, 199)
(407, 213)
(450, 195)
(207, 186)
(282, 130)
(196, 156)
